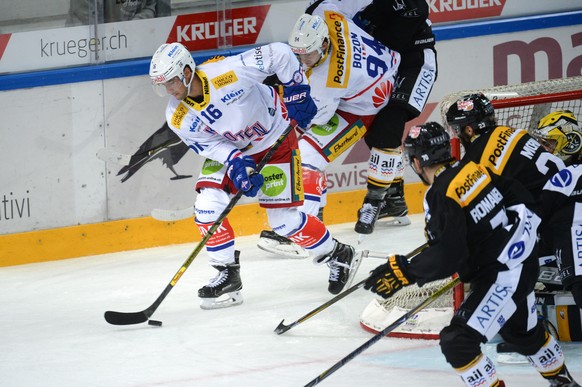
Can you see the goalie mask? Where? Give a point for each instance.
(474, 110)
(430, 144)
(307, 39)
(167, 66)
(558, 133)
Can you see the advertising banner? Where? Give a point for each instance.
(51, 176)
(199, 31)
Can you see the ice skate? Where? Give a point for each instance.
(343, 264)
(368, 214)
(562, 379)
(274, 243)
(224, 290)
(394, 207)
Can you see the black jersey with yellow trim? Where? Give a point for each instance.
(465, 215)
(513, 153)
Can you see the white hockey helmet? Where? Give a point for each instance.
(558, 132)
(169, 61)
(308, 34)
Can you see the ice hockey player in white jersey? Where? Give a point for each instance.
(404, 26)
(223, 112)
(351, 77)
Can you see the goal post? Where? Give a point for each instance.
(520, 106)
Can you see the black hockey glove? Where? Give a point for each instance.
(389, 278)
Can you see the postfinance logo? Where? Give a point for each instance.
(275, 181)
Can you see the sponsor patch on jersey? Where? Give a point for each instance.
(298, 193)
(179, 115)
(210, 167)
(326, 129)
(500, 147)
(562, 179)
(340, 59)
(349, 137)
(275, 180)
(224, 79)
(468, 183)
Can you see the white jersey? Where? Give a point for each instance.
(236, 111)
(356, 76)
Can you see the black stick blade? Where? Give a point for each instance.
(119, 318)
(282, 328)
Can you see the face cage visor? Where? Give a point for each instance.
(165, 88)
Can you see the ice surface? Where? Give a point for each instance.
(53, 332)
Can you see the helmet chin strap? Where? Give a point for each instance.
(421, 174)
(189, 84)
(322, 55)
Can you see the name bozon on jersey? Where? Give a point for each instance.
(352, 50)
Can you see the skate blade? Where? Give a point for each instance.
(282, 249)
(356, 261)
(225, 301)
(361, 238)
(395, 221)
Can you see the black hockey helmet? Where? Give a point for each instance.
(473, 110)
(429, 143)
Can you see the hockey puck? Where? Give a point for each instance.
(155, 323)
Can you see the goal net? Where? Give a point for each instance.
(519, 106)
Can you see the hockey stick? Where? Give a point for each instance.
(282, 328)
(411, 313)
(123, 318)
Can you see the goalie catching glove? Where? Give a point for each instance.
(242, 171)
(300, 105)
(389, 278)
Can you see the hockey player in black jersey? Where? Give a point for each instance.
(515, 153)
(558, 133)
(504, 150)
(482, 227)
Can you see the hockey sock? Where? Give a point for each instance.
(313, 236)
(315, 186)
(384, 167)
(549, 359)
(479, 372)
(220, 246)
